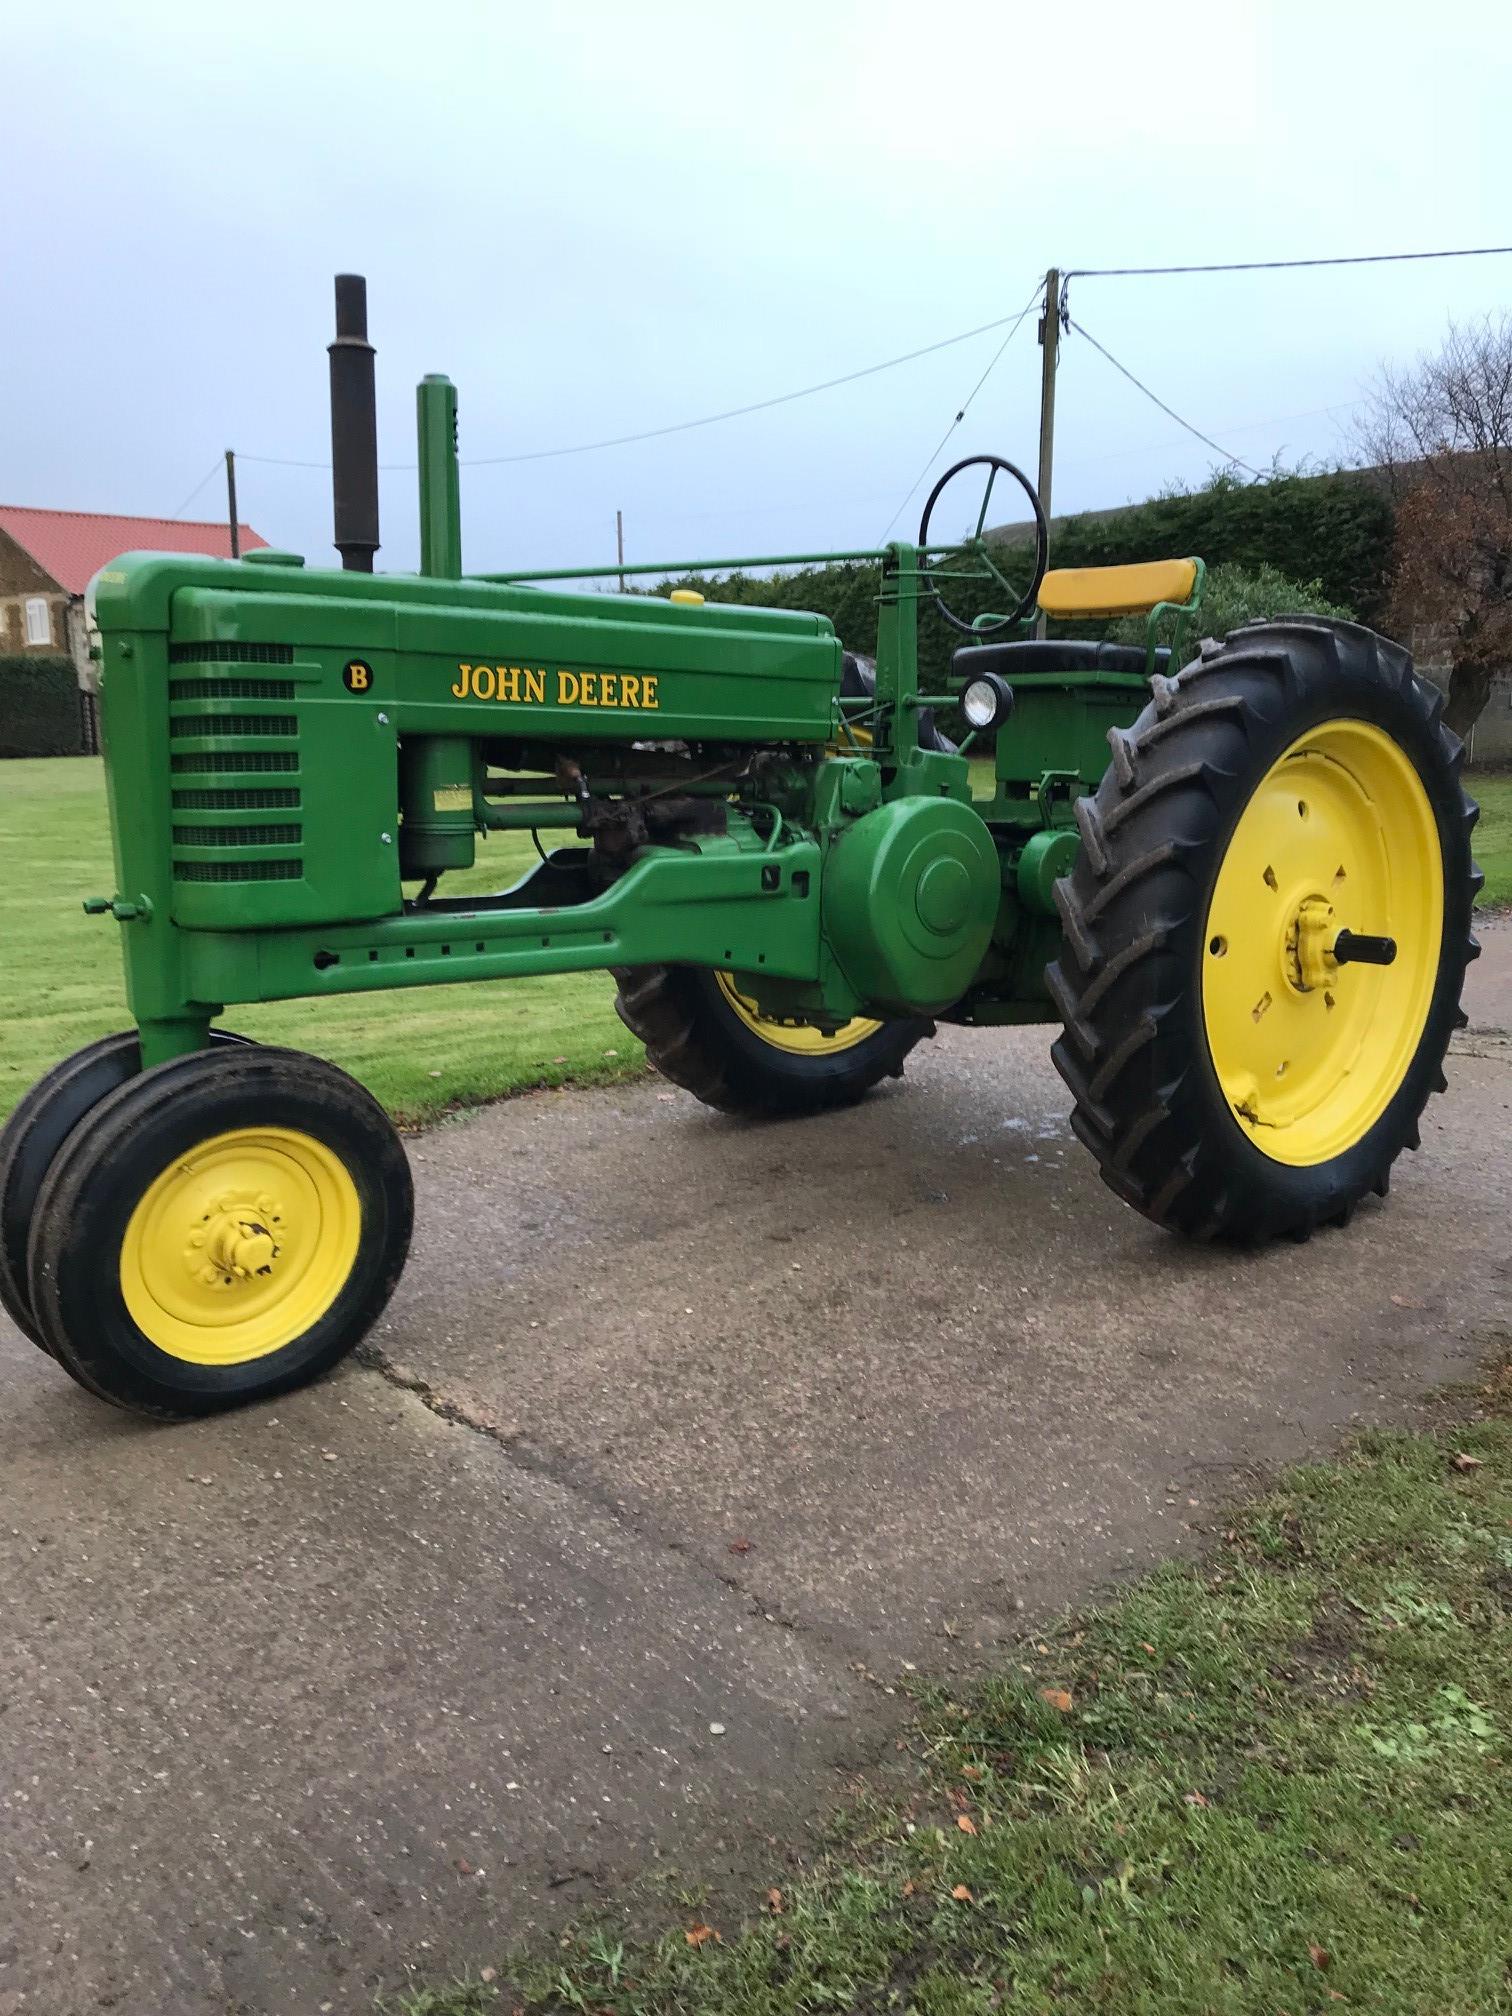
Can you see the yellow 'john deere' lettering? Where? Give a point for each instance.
(527, 684)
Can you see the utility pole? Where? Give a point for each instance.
(231, 503)
(1049, 336)
(619, 541)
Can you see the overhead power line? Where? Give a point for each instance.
(1008, 322)
(1284, 265)
(214, 470)
(1171, 410)
(686, 426)
(961, 413)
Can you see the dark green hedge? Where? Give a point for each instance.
(1334, 531)
(39, 707)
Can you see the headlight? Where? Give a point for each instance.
(987, 701)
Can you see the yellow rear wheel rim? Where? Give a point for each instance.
(1338, 834)
(798, 1039)
(238, 1247)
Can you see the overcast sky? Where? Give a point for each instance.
(602, 218)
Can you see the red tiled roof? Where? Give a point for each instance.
(72, 546)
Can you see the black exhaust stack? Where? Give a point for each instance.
(354, 429)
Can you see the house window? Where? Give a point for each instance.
(38, 620)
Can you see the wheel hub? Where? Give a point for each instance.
(236, 1245)
(1308, 960)
(240, 1245)
(1307, 1054)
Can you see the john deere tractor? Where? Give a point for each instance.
(1238, 876)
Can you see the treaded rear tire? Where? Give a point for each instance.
(1134, 1052)
(694, 1037)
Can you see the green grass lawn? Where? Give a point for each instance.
(1276, 1784)
(1492, 791)
(421, 1049)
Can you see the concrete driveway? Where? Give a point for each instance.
(679, 1438)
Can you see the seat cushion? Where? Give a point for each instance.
(1116, 591)
(1058, 654)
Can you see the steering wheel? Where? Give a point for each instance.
(976, 548)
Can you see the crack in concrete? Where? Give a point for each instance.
(537, 1462)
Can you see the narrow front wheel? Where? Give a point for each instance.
(219, 1230)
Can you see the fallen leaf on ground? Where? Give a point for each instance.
(966, 1824)
(700, 1935)
(1057, 1697)
(962, 1894)
(1408, 1302)
(1319, 1956)
(1460, 1461)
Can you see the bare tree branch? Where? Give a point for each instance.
(1440, 435)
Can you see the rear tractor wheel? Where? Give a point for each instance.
(1266, 932)
(705, 1035)
(218, 1230)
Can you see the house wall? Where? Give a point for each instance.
(21, 580)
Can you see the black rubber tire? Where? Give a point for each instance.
(121, 1147)
(694, 1037)
(32, 1137)
(1128, 981)
(858, 681)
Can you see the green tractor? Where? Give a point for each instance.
(1252, 924)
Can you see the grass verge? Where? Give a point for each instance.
(421, 1050)
(1492, 791)
(1276, 1782)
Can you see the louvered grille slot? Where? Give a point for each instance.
(230, 689)
(237, 836)
(236, 724)
(230, 654)
(237, 871)
(271, 798)
(263, 761)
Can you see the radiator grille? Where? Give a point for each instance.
(230, 654)
(271, 798)
(230, 689)
(237, 871)
(219, 700)
(237, 836)
(234, 724)
(265, 762)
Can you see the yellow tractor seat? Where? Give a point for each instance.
(1116, 591)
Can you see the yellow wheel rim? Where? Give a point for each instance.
(1339, 834)
(798, 1039)
(238, 1247)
